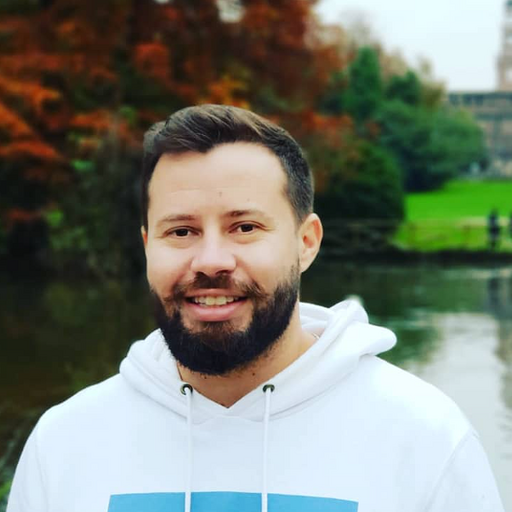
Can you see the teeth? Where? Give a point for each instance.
(219, 300)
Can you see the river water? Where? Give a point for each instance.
(454, 327)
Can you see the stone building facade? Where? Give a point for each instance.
(493, 110)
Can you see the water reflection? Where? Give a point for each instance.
(499, 305)
(454, 327)
(392, 297)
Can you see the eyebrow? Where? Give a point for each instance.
(168, 219)
(250, 212)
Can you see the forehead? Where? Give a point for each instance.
(239, 172)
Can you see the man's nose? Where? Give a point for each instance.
(213, 256)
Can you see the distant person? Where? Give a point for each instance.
(493, 229)
(245, 399)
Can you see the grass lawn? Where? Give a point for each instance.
(456, 216)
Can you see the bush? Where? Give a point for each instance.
(365, 185)
(97, 225)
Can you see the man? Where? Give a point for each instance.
(493, 229)
(245, 400)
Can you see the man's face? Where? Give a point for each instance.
(222, 250)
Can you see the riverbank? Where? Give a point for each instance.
(393, 255)
(32, 271)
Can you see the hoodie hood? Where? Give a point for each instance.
(344, 337)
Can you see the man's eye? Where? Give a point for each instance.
(181, 232)
(246, 228)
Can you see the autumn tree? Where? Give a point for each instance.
(80, 82)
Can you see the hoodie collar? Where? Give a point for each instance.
(344, 337)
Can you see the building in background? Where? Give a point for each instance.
(505, 57)
(493, 110)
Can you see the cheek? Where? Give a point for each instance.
(164, 268)
(268, 263)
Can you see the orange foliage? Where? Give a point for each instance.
(171, 14)
(283, 44)
(327, 135)
(33, 94)
(30, 65)
(259, 17)
(96, 126)
(30, 150)
(98, 121)
(227, 91)
(330, 129)
(19, 215)
(152, 60)
(13, 125)
(74, 74)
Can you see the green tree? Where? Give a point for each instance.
(406, 88)
(364, 183)
(97, 227)
(457, 141)
(331, 102)
(430, 147)
(365, 89)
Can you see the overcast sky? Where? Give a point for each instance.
(461, 38)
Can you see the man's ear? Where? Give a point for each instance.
(310, 233)
(144, 234)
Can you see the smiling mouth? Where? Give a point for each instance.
(210, 301)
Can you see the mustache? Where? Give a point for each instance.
(222, 281)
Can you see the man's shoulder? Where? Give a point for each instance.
(90, 405)
(403, 397)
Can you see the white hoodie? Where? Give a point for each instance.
(339, 430)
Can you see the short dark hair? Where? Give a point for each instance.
(200, 128)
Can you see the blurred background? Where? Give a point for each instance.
(404, 111)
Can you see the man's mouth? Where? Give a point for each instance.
(216, 300)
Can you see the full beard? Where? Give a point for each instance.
(218, 348)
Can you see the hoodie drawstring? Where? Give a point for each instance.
(187, 390)
(268, 389)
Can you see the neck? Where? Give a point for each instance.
(226, 390)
